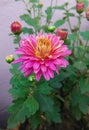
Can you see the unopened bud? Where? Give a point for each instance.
(16, 27)
(87, 13)
(9, 58)
(62, 34)
(80, 7)
(40, 5)
(31, 78)
(51, 28)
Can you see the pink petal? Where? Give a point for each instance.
(33, 40)
(29, 65)
(36, 70)
(17, 61)
(20, 51)
(64, 63)
(61, 62)
(38, 75)
(25, 57)
(28, 72)
(51, 73)
(43, 68)
(57, 61)
(24, 69)
(52, 66)
(36, 65)
(46, 75)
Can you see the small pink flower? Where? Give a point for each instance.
(42, 55)
(16, 27)
(80, 7)
(62, 34)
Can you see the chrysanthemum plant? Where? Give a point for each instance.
(50, 76)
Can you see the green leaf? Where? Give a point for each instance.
(85, 4)
(16, 105)
(77, 113)
(45, 102)
(48, 11)
(85, 35)
(18, 80)
(35, 121)
(79, 101)
(27, 30)
(44, 88)
(53, 115)
(83, 104)
(34, 22)
(59, 23)
(19, 92)
(32, 105)
(33, 1)
(22, 109)
(18, 114)
(84, 85)
(80, 65)
(59, 7)
(55, 82)
(75, 95)
(72, 36)
(47, 106)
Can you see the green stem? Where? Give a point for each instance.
(40, 17)
(55, 6)
(68, 19)
(69, 23)
(87, 43)
(26, 5)
(78, 32)
(33, 11)
(51, 5)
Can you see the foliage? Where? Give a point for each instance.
(46, 101)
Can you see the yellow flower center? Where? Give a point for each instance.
(43, 48)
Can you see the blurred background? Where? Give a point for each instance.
(10, 10)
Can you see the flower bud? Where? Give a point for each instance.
(9, 58)
(51, 28)
(16, 27)
(62, 34)
(40, 5)
(87, 13)
(31, 78)
(80, 7)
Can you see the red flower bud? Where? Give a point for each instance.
(87, 13)
(9, 58)
(80, 7)
(63, 34)
(16, 27)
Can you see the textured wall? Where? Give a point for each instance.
(9, 12)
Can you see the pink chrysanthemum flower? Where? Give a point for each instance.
(42, 55)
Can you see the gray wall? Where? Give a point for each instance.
(9, 12)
